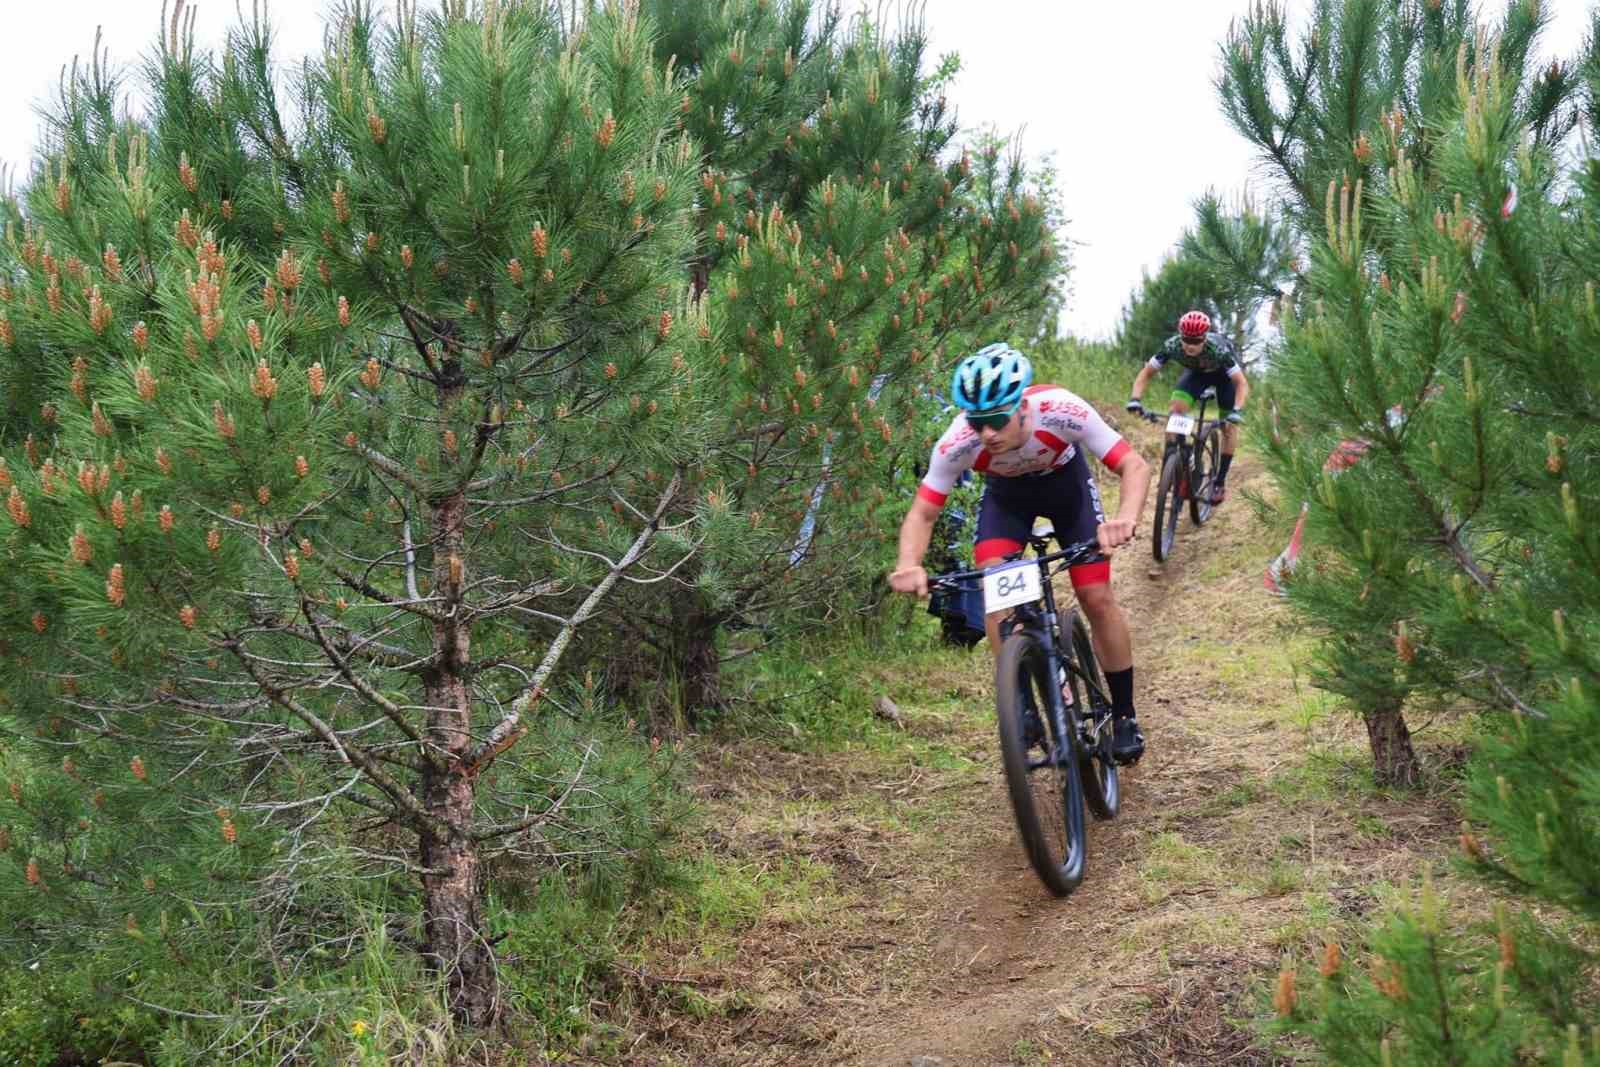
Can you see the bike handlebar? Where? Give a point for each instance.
(1073, 555)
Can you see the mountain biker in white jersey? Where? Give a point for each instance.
(1025, 440)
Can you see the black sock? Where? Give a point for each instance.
(1121, 683)
(1222, 468)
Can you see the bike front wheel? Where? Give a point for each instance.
(1039, 754)
(1206, 462)
(1102, 789)
(1168, 505)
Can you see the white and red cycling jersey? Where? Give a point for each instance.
(1058, 422)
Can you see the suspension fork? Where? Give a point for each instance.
(1179, 444)
(1056, 702)
(1040, 620)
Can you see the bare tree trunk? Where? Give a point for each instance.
(1394, 761)
(695, 659)
(699, 274)
(454, 941)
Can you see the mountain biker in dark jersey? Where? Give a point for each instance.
(1208, 359)
(1025, 439)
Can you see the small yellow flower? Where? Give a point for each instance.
(358, 1028)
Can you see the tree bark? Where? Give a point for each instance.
(1394, 761)
(454, 941)
(695, 659)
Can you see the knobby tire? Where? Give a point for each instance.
(1168, 506)
(1048, 800)
(1102, 788)
(1206, 461)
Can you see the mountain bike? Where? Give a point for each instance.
(1189, 462)
(1053, 709)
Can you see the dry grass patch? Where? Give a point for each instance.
(1193, 926)
(1189, 1016)
(1171, 865)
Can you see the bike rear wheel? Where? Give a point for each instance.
(1102, 789)
(1206, 461)
(1168, 506)
(1045, 784)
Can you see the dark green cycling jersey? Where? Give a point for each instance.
(1218, 355)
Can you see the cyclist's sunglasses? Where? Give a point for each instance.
(1193, 340)
(994, 420)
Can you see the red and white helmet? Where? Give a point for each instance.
(1194, 325)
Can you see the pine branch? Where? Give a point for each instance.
(528, 823)
(517, 502)
(591, 603)
(348, 751)
(342, 665)
(372, 592)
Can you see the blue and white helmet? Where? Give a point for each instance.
(991, 379)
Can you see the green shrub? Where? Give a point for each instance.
(50, 1013)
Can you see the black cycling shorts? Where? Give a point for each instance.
(1195, 382)
(1066, 495)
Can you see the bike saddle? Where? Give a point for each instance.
(1040, 536)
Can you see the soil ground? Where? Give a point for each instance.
(894, 918)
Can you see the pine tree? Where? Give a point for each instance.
(1248, 253)
(852, 251)
(1231, 262)
(1151, 315)
(1333, 111)
(1447, 331)
(325, 432)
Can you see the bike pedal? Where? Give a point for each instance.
(1127, 758)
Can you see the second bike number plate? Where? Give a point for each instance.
(1182, 425)
(1009, 586)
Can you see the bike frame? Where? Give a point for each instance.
(1184, 453)
(1189, 445)
(1044, 620)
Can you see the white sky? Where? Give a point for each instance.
(1120, 92)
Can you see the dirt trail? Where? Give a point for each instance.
(1016, 961)
(1245, 834)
